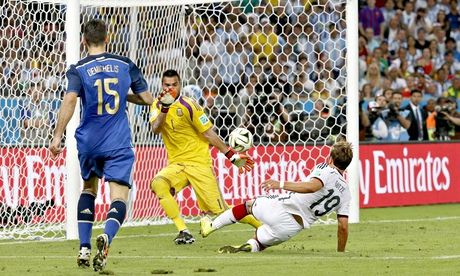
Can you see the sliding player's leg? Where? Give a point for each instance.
(278, 226)
(209, 196)
(166, 183)
(228, 217)
(117, 171)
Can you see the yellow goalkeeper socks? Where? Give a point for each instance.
(171, 208)
(180, 224)
(250, 219)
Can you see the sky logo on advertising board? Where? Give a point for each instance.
(408, 173)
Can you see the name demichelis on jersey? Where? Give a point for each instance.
(102, 82)
(334, 196)
(182, 131)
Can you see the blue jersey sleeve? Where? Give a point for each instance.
(138, 83)
(73, 80)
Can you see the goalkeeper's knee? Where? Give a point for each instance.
(161, 187)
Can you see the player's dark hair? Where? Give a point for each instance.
(396, 93)
(95, 32)
(341, 154)
(413, 91)
(170, 73)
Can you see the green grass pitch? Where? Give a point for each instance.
(422, 240)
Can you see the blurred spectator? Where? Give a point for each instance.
(421, 42)
(363, 50)
(364, 122)
(408, 15)
(454, 117)
(231, 68)
(398, 43)
(432, 8)
(431, 119)
(426, 62)
(373, 42)
(381, 100)
(391, 122)
(451, 46)
(371, 17)
(366, 92)
(275, 129)
(436, 58)
(453, 17)
(398, 83)
(454, 90)
(417, 129)
(381, 60)
(387, 94)
(373, 78)
(441, 20)
(36, 116)
(297, 99)
(441, 82)
(445, 110)
(388, 10)
(450, 63)
(412, 52)
(420, 22)
(264, 40)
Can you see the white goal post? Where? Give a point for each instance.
(248, 66)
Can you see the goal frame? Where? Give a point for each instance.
(72, 27)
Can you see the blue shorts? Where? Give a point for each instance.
(115, 165)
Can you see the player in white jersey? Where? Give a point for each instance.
(324, 191)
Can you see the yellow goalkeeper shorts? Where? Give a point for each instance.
(203, 182)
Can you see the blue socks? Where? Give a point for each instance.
(115, 217)
(85, 218)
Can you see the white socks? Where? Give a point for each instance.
(254, 245)
(226, 218)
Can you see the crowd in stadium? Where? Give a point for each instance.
(277, 67)
(409, 70)
(281, 73)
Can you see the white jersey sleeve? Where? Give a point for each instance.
(334, 196)
(320, 172)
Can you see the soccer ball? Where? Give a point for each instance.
(240, 139)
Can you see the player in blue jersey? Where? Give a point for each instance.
(102, 82)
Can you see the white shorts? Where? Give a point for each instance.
(279, 225)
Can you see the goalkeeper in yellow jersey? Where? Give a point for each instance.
(187, 133)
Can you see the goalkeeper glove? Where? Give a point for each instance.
(241, 160)
(166, 100)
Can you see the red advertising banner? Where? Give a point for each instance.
(390, 175)
(410, 174)
(28, 175)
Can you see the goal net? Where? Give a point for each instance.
(275, 67)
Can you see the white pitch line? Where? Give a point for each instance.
(243, 230)
(411, 220)
(249, 256)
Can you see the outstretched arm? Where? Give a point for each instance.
(454, 120)
(310, 186)
(144, 98)
(215, 140)
(342, 232)
(65, 114)
(241, 160)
